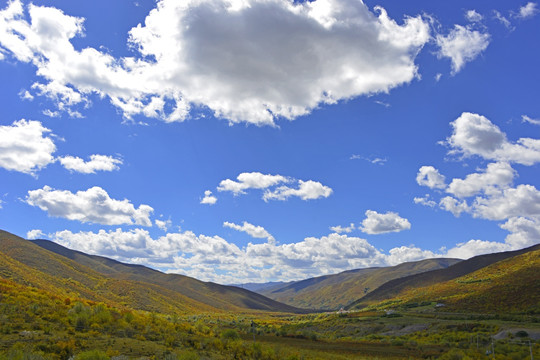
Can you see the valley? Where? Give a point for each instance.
(57, 303)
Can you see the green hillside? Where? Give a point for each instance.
(495, 283)
(51, 267)
(334, 291)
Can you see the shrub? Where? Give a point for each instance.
(230, 334)
(92, 355)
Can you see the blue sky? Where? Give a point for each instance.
(249, 141)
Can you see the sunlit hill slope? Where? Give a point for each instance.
(51, 267)
(493, 283)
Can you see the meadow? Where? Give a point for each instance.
(35, 324)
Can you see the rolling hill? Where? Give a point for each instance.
(334, 291)
(499, 282)
(51, 267)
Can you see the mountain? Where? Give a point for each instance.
(259, 287)
(480, 283)
(334, 291)
(73, 274)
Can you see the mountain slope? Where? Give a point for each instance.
(215, 295)
(49, 266)
(429, 283)
(25, 263)
(335, 291)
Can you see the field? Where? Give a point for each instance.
(37, 325)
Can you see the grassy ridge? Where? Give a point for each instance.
(334, 291)
(56, 269)
(511, 285)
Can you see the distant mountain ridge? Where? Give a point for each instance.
(475, 270)
(330, 292)
(52, 267)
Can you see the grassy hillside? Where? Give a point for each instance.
(53, 268)
(494, 283)
(334, 291)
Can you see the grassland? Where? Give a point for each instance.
(66, 305)
(36, 324)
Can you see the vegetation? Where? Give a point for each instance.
(83, 314)
(508, 286)
(332, 292)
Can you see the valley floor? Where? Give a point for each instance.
(35, 326)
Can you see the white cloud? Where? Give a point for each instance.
(50, 113)
(524, 231)
(503, 20)
(34, 234)
(496, 175)
(528, 11)
(208, 198)
(96, 163)
(473, 16)
(307, 190)
(25, 147)
(426, 201)
(371, 159)
(25, 94)
(118, 244)
(475, 135)
(524, 200)
(461, 45)
(477, 247)
(530, 120)
(376, 223)
(93, 205)
(217, 53)
(403, 254)
(163, 224)
(253, 180)
(212, 258)
(339, 229)
(455, 206)
(215, 259)
(430, 177)
(255, 231)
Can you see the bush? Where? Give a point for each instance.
(230, 334)
(92, 355)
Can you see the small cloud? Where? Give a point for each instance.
(89, 206)
(455, 206)
(503, 20)
(438, 77)
(208, 199)
(163, 224)
(254, 231)
(96, 163)
(26, 146)
(382, 103)
(25, 95)
(461, 45)
(371, 159)
(430, 177)
(376, 223)
(34, 234)
(473, 16)
(426, 201)
(307, 190)
(52, 114)
(339, 229)
(525, 118)
(527, 11)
